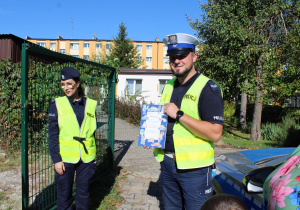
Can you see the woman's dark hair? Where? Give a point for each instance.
(80, 89)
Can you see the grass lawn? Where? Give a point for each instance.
(236, 138)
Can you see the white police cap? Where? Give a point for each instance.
(180, 43)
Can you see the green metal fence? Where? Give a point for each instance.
(41, 84)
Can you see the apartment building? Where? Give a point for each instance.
(153, 53)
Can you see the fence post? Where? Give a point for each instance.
(24, 128)
(111, 120)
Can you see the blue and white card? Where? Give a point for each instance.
(153, 126)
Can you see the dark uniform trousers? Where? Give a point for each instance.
(84, 175)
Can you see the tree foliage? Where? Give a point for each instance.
(124, 50)
(246, 39)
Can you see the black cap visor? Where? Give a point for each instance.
(179, 51)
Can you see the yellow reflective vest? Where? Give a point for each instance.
(72, 150)
(191, 151)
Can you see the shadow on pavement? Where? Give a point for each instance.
(121, 148)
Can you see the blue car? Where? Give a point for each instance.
(243, 173)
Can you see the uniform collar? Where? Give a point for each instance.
(80, 101)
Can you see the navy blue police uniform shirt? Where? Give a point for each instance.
(210, 105)
(53, 132)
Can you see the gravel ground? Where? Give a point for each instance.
(10, 189)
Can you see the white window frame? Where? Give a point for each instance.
(148, 59)
(166, 59)
(86, 45)
(149, 46)
(42, 44)
(63, 51)
(139, 47)
(86, 57)
(134, 90)
(74, 46)
(98, 45)
(161, 85)
(108, 46)
(52, 45)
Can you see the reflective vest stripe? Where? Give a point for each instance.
(72, 150)
(188, 141)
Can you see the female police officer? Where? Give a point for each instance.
(72, 124)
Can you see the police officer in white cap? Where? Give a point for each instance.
(194, 106)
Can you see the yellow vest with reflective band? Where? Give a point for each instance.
(71, 150)
(191, 151)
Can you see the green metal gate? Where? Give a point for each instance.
(41, 84)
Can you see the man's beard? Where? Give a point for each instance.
(182, 74)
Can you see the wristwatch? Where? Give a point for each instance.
(179, 114)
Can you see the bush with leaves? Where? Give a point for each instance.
(129, 110)
(10, 100)
(288, 132)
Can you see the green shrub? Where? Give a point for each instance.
(269, 131)
(233, 120)
(293, 113)
(128, 109)
(229, 110)
(287, 134)
(10, 100)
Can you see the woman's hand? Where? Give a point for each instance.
(60, 168)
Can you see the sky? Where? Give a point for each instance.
(74, 19)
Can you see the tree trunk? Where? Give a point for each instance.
(243, 110)
(256, 122)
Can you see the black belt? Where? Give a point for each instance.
(81, 141)
(169, 133)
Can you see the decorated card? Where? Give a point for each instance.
(153, 126)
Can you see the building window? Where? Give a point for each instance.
(52, 44)
(63, 51)
(108, 46)
(98, 58)
(74, 46)
(86, 57)
(139, 58)
(148, 59)
(165, 47)
(162, 83)
(166, 59)
(42, 44)
(76, 56)
(134, 86)
(149, 47)
(86, 45)
(139, 47)
(98, 45)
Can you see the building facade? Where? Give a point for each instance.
(147, 85)
(152, 53)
